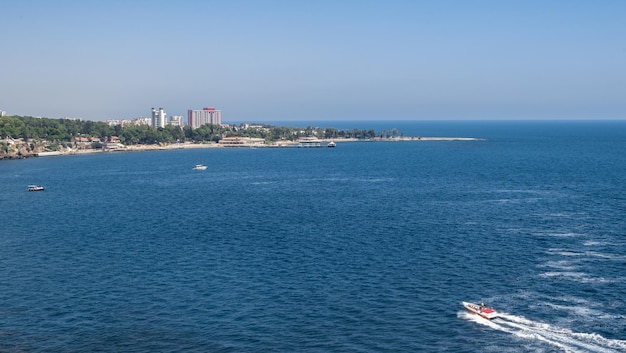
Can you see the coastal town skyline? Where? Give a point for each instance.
(282, 61)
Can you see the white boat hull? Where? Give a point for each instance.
(480, 310)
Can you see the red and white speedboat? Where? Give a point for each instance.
(480, 309)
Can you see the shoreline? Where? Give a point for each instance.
(279, 144)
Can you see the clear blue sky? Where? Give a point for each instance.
(315, 60)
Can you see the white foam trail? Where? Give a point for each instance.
(594, 243)
(561, 264)
(495, 324)
(605, 256)
(580, 277)
(562, 338)
(588, 254)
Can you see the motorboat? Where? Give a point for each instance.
(35, 188)
(481, 310)
(331, 144)
(199, 167)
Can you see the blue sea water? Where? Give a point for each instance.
(367, 247)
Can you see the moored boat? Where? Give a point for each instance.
(481, 310)
(35, 188)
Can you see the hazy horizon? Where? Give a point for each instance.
(321, 61)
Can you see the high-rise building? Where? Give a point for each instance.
(198, 118)
(158, 117)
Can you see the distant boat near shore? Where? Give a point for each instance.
(35, 188)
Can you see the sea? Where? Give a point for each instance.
(366, 247)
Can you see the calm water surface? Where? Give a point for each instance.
(368, 247)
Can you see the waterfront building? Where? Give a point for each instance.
(176, 120)
(241, 141)
(158, 117)
(198, 118)
(115, 122)
(141, 121)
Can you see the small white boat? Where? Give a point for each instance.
(199, 167)
(481, 310)
(331, 144)
(35, 188)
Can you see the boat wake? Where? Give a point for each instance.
(561, 338)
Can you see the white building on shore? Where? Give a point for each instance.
(176, 120)
(158, 117)
(197, 118)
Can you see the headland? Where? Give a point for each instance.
(23, 137)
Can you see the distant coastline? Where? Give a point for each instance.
(24, 137)
(280, 144)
